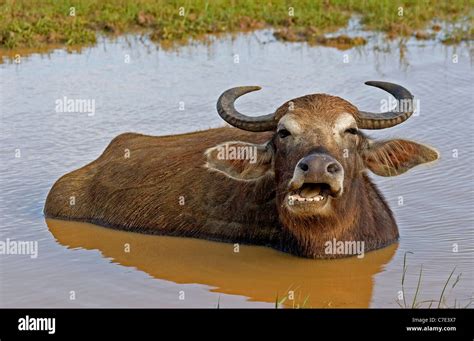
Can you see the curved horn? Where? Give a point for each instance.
(226, 109)
(369, 120)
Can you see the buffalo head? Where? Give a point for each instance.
(317, 153)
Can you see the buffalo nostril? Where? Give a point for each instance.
(333, 168)
(303, 166)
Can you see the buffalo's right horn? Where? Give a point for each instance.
(226, 109)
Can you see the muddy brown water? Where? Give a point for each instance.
(165, 92)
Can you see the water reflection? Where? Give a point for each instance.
(260, 273)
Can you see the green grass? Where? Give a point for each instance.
(300, 302)
(440, 303)
(297, 302)
(35, 23)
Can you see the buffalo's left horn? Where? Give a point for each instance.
(369, 120)
(226, 109)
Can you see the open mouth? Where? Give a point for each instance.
(310, 193)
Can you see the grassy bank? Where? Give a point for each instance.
(34, 23)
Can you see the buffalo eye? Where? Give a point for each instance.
(352, 131)
(282, 133)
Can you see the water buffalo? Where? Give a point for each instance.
(294, 179)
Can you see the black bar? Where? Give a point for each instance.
(314, 324)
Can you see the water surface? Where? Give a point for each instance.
(174, 91)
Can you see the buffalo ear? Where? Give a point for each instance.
(395, 157)
(241, 160)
